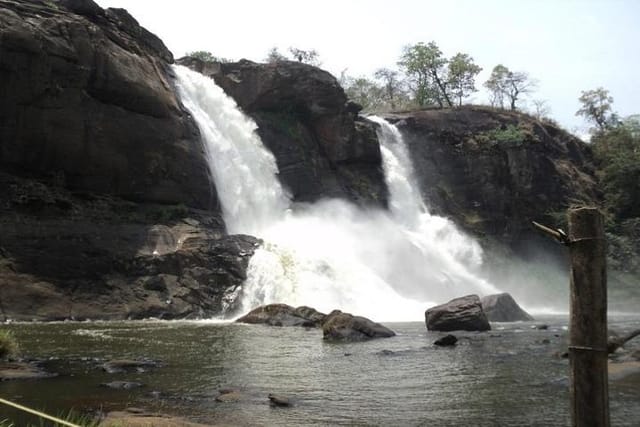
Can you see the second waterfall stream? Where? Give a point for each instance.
(387, 265)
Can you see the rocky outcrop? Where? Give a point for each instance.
(322, 147)
(339, 326)
(495, 171)
(459, 314)
(64, 269)
(283, 315)
(503, 308)
(106, 208)
(87, 103)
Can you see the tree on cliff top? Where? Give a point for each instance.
(462, 74)
(436, 79)
(310, 57)
(597, 109)
(274, 55)
(506, 85)
(206, 56)
(425, 67)
(392, 86)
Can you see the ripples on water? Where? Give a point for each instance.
(508, 376)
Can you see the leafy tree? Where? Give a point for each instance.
(392, 85)
(306, 56)
(617, 150)
(461, 76)
(497, 86)
(365, 92)
(274, 55)
(426, 69)
(206, 56)
(506, 85)
(597, 108)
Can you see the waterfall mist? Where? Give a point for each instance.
(389, 265)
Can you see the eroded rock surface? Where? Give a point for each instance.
(322, 147)
(283, 315)
(503, 308)
(339, 326)
(459, 314)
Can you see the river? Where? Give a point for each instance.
(508, 376)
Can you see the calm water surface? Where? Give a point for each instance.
(508, 377)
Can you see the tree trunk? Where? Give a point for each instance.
(443, 90)
(588, 324)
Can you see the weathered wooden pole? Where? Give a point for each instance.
(588, 323)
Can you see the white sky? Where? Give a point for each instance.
(567, 45)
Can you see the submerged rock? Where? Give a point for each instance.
(503, 308)
(126, 365)
(22, 371)
(228, 395)
(446, 341)
(283, 315)
(341, 326)
(279, 400)
(122, 385)
(459, 314)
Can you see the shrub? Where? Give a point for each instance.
(510, 135)
(8, 344)
(206, 56)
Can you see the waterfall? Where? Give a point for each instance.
(244, 171)
(388, 265)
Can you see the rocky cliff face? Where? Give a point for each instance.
(323, 148)
(106, 209)
(494, 172)
(86, 100)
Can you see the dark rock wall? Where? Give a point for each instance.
(85, 96)
(494, 186)
(106, 209)
(322, 147)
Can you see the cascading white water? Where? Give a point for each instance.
(330, 254)
(244, 171)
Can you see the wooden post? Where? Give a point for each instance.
(588, 323)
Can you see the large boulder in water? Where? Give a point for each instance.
(503, 308)
(339, 326)
(459, 314)
(283, 315)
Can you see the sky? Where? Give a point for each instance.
(567, 46)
